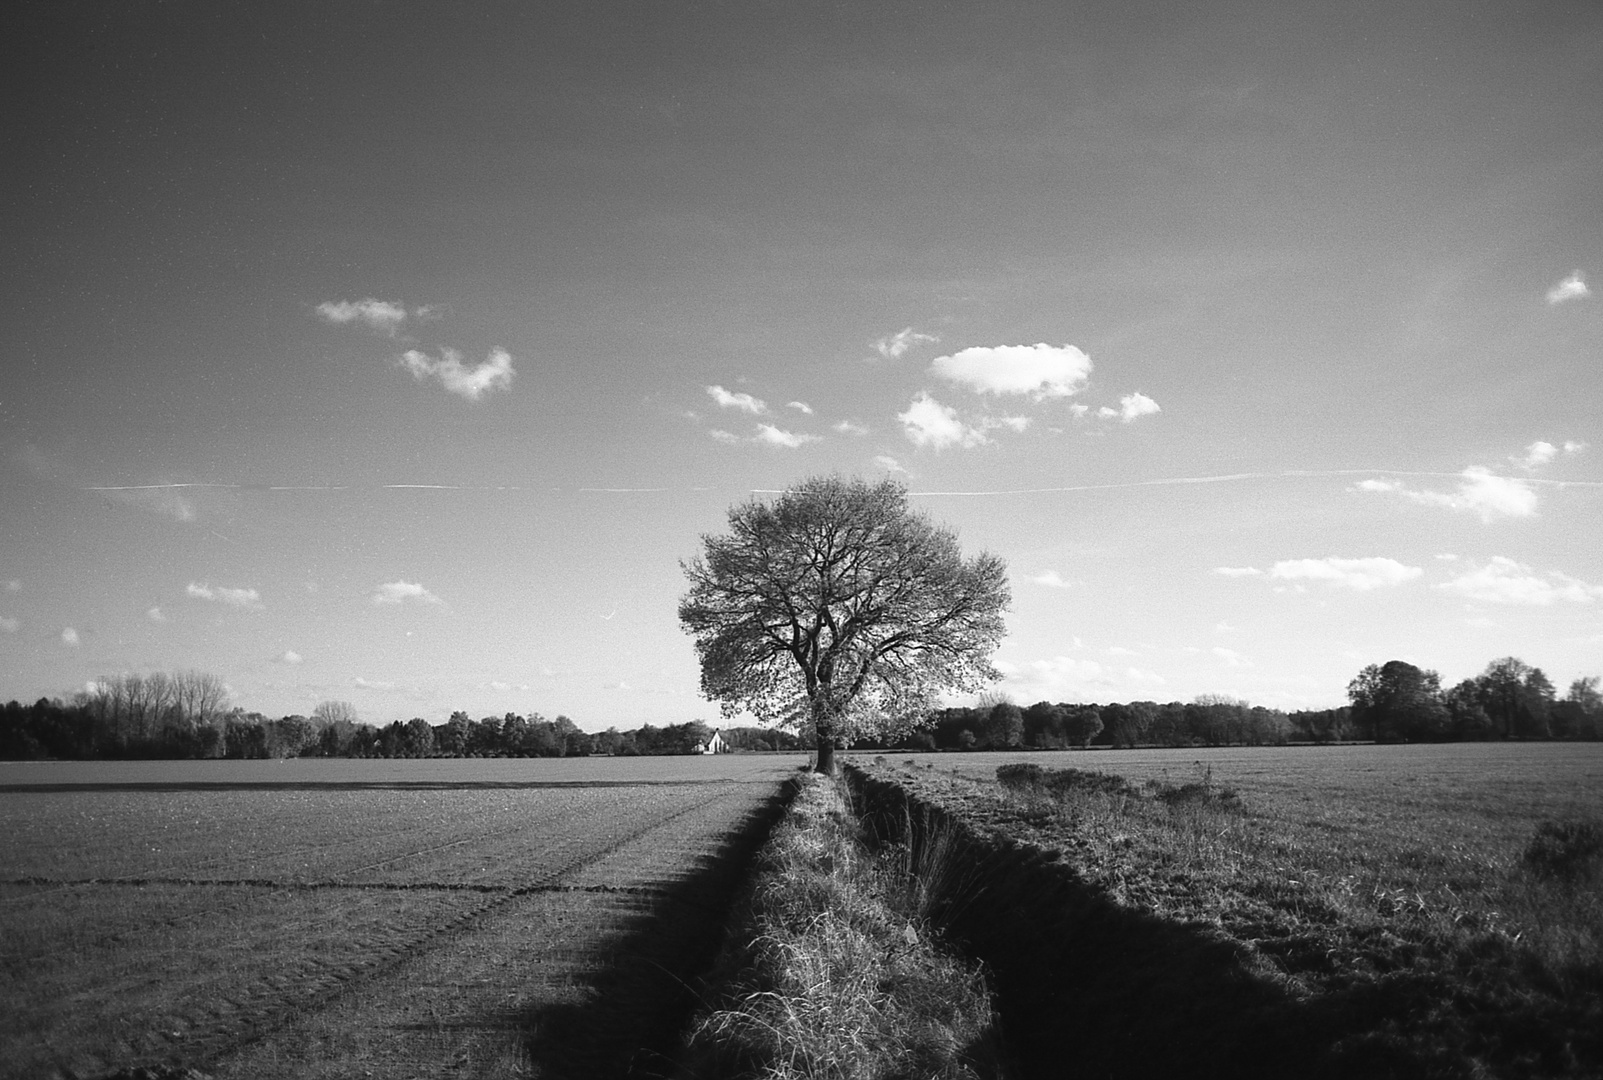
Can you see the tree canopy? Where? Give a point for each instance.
(837, 608)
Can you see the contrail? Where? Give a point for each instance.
(1168, 481)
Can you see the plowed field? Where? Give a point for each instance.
(353, 918)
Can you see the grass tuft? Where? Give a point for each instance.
(1567, 851)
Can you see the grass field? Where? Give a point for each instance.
(1397, 879)
(299, 918)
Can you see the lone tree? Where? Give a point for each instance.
(839, 609)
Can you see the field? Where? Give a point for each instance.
(1430, 910)
(407, 917)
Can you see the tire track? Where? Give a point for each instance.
(261, 1007)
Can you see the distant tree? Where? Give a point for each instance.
(839, 609)
(1004, 727)
(1580, 714)
(1516, 696)
(451, 737)
(334, 712)
(1081, 724)
(1467, 718)
(419, 740)
(1399, 702)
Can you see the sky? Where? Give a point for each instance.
(399, 353)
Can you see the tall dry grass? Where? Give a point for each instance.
(832, 972)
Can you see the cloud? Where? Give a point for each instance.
(1536, 455)
(14, 585)
(1053, 679)
(1572, 446)
(1571, 288)
(772, 436)
(385, 316)
(289, 656)
(800, 406)
(723, 436)
(240, 598)
(889, 464)
(1013, 423)
(846, 427)
(929, 423)
(156, 614)
(1481, 491)
(1042, 371)
(1237, 571)
(472, 383)
(893, 346)
(1361, 575)
(9, 625)
(396, 592)
(743, 402)
(1132, 406)
(1504, 581)
(372, 684)
(69, 638)
(1230, 656)
(1052, 579)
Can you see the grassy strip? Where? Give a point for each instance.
(829, 972)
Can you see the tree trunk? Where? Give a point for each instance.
(824, 732)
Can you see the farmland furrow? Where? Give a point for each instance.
(255, 1007)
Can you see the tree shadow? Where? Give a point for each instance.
(642, 994)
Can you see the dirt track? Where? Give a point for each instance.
(551, 933)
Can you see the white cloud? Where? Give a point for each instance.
(893, 346)
(772, 436)
(395, 592)
(743, 402)
(1536, 455)
(1052, 680)
(846, 427)
(1079, 411)
(720, 435)
(889, 464)
(1572, 446)
(1361, 575)
(1108, 413)
(372, 684)
(69, 638)
(800, 406)
(385, 316)
(1120, 650)
(1042, 370)
(497, 684)
(1504, 581)
(9, 625)
(14, 585)
(240, 598)
(1014, 423)
(929, 423)
(156, 614)
(1571, 288)
(1052, 579)
(289, 656)
(1481, 491)
(472, 383)
(1237, 571)
(1132, 406)
(1230, 656)
(1141, 675)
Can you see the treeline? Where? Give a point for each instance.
(1210, 720)
(1398, 702)
(188, 715)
